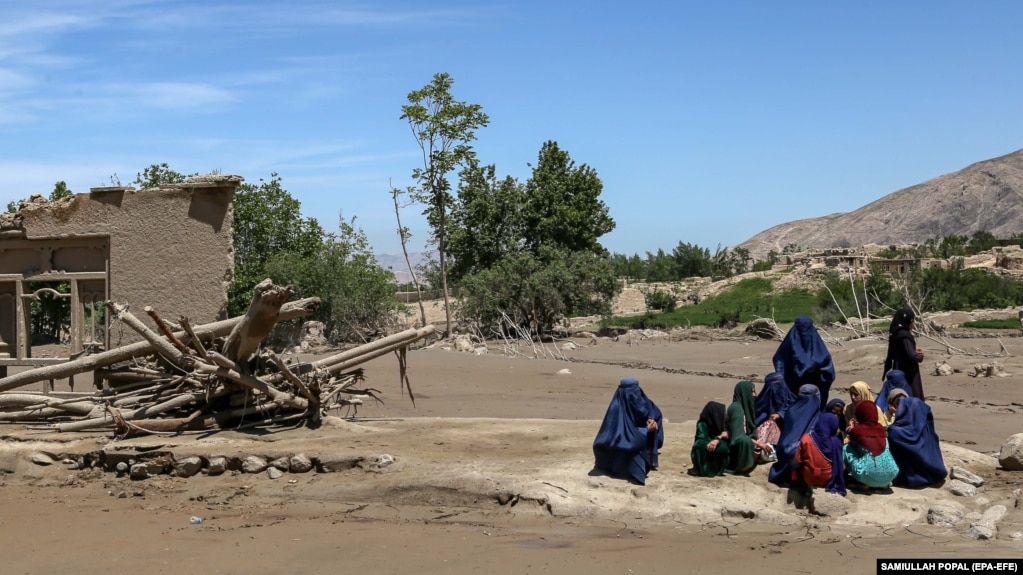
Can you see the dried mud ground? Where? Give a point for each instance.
(493, 472)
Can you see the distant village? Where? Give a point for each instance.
(1000, 259)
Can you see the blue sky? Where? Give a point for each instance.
(707, 122)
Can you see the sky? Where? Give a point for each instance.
(707, 122)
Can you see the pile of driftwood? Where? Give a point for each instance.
(177, 380)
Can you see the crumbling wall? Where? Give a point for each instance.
(169, 247)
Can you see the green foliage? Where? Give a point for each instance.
(157, 175)
(940, 289)
(1006, 323)
(531, 251)
(660, 301)
(745, 301)
(486, 221)
(536, 290)
(357, 295)
(563, 207)
(268, 223)
(443, 127)
(982, 240)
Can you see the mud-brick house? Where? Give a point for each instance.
(168, 247)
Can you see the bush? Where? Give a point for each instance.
(660, 301)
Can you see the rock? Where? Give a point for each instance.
(337, 462)
(829, 504)
(139, 471)
(300, 463)
(254, 464)
(995, 513)
(282, 464)
(481, 350)
(122, 466)
(565, 371)
(1011, 455)
(43, 458)
(961, 488)
(944, 515)
(274, 473)
(966, 477)
(377, 463)
(983, 529)
(188, 466)
(218, 465)
(569, 346)
(463, 343)
(943, 368)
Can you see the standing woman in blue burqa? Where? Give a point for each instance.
(803, 359)
(630, 435)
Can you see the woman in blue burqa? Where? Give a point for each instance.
(803, 358)
(894, 379)
(914, 445)
(799, 420)
(773, 400)
(630, 435)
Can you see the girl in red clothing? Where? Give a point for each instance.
(819, 457)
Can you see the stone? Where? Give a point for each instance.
(337, 462)
(944, 515)
(995, 513)
(980, 532)
(274, 473)
(43, 458)
(966, 477)
(829, 504)
(300, 463)
(282, 463)
(565, 371)
(122, 466)
(943, 368)
(139, 471)
(569, 346)
(463, 343)
(481, 350)
(254, 464)
(188, 466)
(1011, 455)
(961, 488)
(217, 466)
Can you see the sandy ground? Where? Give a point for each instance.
(493, 471)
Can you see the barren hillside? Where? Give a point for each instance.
(986, 195)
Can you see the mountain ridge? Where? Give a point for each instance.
(984, 196)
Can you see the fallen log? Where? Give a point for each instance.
(290, 310)
(257, 322)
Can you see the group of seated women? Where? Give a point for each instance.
(810, 441)
(858, 445)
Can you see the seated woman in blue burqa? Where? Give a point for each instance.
(803, 358)
(630, 435)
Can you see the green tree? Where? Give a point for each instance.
(356, 294)
(268, 223)
(691, 260)
(952, 245)
(982, 240)
(532, 251)
(535, 290)
(443, 127)
(563, 207)
(486, 220)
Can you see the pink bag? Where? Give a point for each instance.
(769, 432)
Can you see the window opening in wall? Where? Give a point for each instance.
(49, 323)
